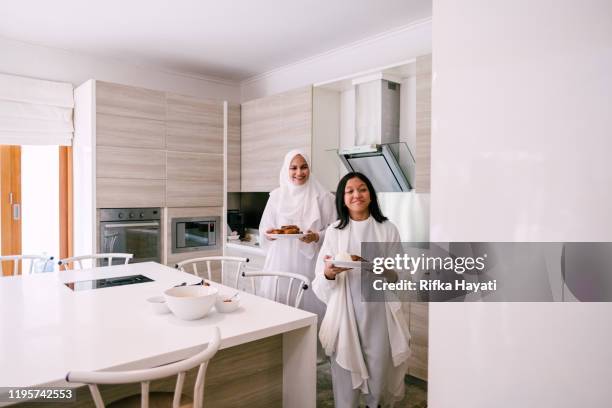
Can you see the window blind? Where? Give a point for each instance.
(35, 111)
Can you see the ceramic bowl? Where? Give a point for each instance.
(223, 306)
(190, 302)
(158, 304)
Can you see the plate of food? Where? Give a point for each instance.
(286, 232)
(346, 260)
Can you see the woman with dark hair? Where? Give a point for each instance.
(366, 341)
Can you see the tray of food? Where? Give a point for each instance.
(286, 232)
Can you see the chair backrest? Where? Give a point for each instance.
(34, 260)
(302, 284)
(190, 266)
(77, 261)
(145, 376)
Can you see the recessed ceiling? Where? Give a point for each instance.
(233, 39)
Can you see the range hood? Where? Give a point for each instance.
(377, 151)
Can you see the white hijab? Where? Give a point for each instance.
(298, 204)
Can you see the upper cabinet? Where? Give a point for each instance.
(270, 127)
(130, 101)
(194, 125)
(151, 148)
(233, 148)
(423, 125)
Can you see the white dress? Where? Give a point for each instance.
(377, 364)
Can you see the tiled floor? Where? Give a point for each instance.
(416, 390)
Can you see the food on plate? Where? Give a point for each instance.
(287, 229)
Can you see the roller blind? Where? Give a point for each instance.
(35, 112)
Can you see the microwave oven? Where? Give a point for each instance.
(195, 234)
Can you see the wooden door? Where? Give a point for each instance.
(10, 204)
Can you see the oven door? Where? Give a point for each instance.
(143, 239)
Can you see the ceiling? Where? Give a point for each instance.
(234, 39)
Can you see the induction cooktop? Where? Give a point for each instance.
(107, 282)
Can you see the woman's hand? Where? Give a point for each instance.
(330, 270)
(268, 237)
(309, 237)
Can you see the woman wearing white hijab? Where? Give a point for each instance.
(299, 200)
(368, 342)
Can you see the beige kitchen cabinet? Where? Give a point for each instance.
(233, 148)
(419, 327)
(126, 131)
(423, 124)
(130, 101)
(271, 127)
(194, 179)
(123, 162)
(194, 125)
(118, 192)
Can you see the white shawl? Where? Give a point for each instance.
(298, 204)
(339, 331)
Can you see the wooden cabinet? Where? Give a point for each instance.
(125, 131)
(194, 125)
(423, 124)
(419, 327)
(271, 127)
(130, 101)
(194, 179)
(233, 149)
(123, 162)
(117, 192)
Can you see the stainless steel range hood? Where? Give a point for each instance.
(377, 151)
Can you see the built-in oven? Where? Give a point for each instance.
(135, 231)
(195, 234)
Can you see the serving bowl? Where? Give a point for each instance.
(190, 302)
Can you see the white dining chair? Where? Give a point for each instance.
(303, 283)
(226, 262)
(145, 376)
(77, 261)
(34, 261)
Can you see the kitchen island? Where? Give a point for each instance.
(48, 329)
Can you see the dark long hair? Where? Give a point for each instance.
(343, 212)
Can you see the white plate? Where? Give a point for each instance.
(285, 236)
(345, 264)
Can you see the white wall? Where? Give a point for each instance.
(520, 151)
(59, 65)
(383, 50)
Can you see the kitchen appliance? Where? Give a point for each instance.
(107, 282)
(377, 151)
(195, 234)
(135, 231)
(235, 220)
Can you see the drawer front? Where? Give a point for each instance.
(130, 101)
(123, 131)
(121, 162)
(193, 193)
(194, 125)
(116, 192)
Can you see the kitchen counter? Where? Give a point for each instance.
(48, 330)
(246, 247)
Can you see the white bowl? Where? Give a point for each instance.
(190, 302)
(158, 304)
(227, 307)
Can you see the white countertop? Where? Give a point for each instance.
(46, 329)
(246, 247)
